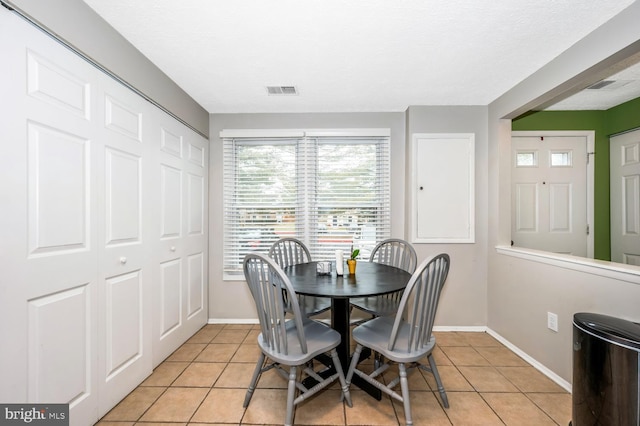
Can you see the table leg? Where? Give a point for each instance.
(340, 321)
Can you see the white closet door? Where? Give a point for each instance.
(181, 244)
(125, 161)
(48, 242)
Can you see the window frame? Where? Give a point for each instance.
(308, 143)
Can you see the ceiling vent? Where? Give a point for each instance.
(601, 84)
(282, 90)
(609, 84)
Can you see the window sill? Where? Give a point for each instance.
(616, 271)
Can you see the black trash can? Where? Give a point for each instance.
(606, 362)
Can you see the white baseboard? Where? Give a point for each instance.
(535, 364)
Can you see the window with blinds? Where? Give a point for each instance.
(331, 192)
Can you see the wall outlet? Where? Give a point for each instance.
(552, 321)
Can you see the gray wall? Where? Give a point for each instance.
(521, 288)
(464, 297)
(76, 23)
(463, 301)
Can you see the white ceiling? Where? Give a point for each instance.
(374, 55)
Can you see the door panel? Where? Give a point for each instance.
(58, 190)
(171, 297)
(124, 322)
(60, 347)
(549, 193)
(625, 198)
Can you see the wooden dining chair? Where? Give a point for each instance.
(407, 337)
(393, 252)
(290, 342)
(291, 251)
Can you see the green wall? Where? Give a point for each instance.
(605, 123)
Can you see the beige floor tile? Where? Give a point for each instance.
(324, 408)
(439, 356)
(165, 374)
(416, 379)
(269, 379)
(464, 355)
(448, 338)
(557, 405)
(247, 352)
(266, 406)
(235, 375)
(240, 326)
(528, 379)
(480, 339)
(161, 424)
(469, 409)
(224, 356)
(517, 410)
(369, 411)
(452, 379)
(203, 336)
(135, 404)
(218, 352)
(222, 406)
(187, 352)
(425, 410)
(175, 405)
(487, 379)
(231, 336)
(500, 356)
(200, 374)
(252, 337)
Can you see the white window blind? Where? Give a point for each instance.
(331, 192)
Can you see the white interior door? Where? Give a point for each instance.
(549, 193)
(181, 242)
(625, 198)
(124, 200)
(48, 237)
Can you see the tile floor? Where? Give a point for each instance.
(204, 383)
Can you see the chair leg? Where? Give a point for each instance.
(354, 363)
(404, 386)
(254, 380)
(436, 375)
(343, 383)
(290, 396)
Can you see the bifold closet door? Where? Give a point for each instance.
(180, 279)
(125, 165)
(49, 237)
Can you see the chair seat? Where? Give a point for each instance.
(320, 339)
(377, 306)
(375, 334)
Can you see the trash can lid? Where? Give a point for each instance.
(616, 330)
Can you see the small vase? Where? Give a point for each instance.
(351, 263)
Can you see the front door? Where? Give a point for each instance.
(549, 192)
(625, 198)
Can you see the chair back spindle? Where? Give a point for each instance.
(267, 284)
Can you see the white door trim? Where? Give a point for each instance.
(590, 136)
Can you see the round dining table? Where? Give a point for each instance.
(370, 279)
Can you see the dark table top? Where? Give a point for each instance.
(370, 279)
